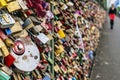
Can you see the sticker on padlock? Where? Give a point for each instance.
(6, 20)
(22, 4)
(37, 28)
(43, 38)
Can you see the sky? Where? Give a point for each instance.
(117, 3)
(109, 2)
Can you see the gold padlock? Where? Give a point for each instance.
(16, 27)
(9, 42)
(5, 51)
(3, 3)
(3, 48)
(12, 6)
(15, 76)
(23, 33)
(61, 33)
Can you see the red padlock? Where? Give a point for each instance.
(9, 60)
(29, 12)
(2, 35)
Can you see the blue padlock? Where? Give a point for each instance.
(8, 31)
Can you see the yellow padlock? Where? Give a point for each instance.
(9, 42)
(3, 3)
(59, 50)
(61, 33)
(5, 51)
(3, 48)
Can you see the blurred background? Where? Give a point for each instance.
(107, 3)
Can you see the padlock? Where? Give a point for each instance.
(34, 74)
(64, 6)
(61, 33)
(16, 27)
(18, 76)
(43, 38)
(59, 50)
(54, 3)
(6, 69)
(9, 60)
(28, 24)
(1, 43)
(38, 74)
(22, 4)
(6, 20)
(50, 60)
(4, 76)
(14, 76)
(63, 68)
(37, 28)
(2, 35)
(12, 6)
(70, 3)
(3, 3)
(4, 49)
(8, 31)
(56, 68)
(56, 11)
(46, 25)
(23, 33)
(46, 77)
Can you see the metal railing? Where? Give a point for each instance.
(103, 3)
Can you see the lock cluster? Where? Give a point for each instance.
(49, 39)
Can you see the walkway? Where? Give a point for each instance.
(107, 62)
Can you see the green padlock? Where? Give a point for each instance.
(4, 76)
(55, 18)
(50, 60)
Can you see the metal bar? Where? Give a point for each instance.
(52, 45)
